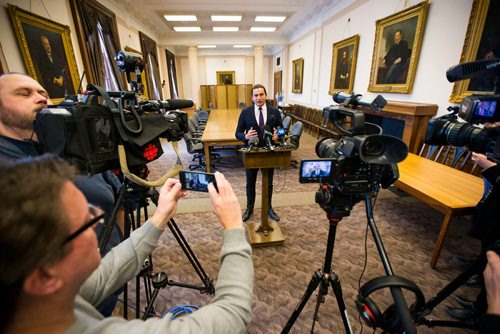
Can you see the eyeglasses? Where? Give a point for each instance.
(97, 218)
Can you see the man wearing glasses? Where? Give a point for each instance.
(20, 99)
(52, 274)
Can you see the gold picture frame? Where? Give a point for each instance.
(344, 58)
(297, 75)
(47, 50)
(398, 39)
(480, 31)
(225, 77)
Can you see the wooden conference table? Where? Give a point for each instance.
(448, 190)
(220, 130)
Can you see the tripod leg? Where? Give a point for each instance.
(337, 290)
(313, 284)
(323, 291)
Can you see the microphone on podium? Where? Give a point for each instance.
(253, 142)
(268, 134)
(281, 135)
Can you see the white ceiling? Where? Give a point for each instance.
(298, 13)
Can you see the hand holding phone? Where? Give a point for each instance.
(196, 181)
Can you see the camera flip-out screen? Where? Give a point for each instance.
(312, 171)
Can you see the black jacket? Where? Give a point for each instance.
(247, 120)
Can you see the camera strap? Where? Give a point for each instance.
(173, 171)
(113, 107)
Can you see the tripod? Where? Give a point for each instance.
(474, 268)
(324, 277)
(134, 199)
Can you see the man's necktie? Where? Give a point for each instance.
(261, 118)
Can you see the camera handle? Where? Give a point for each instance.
(397, 294)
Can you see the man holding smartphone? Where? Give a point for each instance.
(52, 273)
(250, 125)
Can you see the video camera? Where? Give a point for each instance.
(475, 109)
(356, 164)
(89, 133)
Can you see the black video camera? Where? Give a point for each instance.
(357, 163)
(89, 133)
(475, 109)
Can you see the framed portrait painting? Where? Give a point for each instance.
(482, 42)
(298, 73)
(225, 78)
(344, 57)
(398, 39)
(47, 52)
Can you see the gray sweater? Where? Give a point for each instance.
(229, 312)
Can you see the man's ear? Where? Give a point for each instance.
(42, 281)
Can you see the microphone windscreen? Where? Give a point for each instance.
(471, 69)
(267, 130)
(254, 141)
(179, 104)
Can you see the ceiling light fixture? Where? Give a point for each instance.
(187, 29)
(263, 29)
(226, 18)
(207, 46)
(225, 29)
(181, 18)
(270, 18)
(242, 46)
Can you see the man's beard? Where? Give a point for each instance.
(14, 119)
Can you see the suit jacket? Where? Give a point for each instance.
(247, 120)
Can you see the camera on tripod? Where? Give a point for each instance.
(475, 109)
(88, 133)
(357, 163)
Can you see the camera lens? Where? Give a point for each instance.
(327, 147)
(443, 132)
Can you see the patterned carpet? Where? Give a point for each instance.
(408, 229)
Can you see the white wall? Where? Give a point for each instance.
(303, 48)
(441, 48)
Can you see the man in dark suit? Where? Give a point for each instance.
(251, 124)
(396, 58)
(317, 172)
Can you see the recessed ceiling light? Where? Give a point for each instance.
(262, 29)
(182, 18)
(207, 46)
(226, 28)
(187, 29)
(227, 18)
(242, 46)
(270, 18)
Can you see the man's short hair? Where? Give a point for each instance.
(256, 86)
(33, 226)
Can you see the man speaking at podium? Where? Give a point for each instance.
(251, 124)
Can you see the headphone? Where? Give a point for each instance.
(389, 320)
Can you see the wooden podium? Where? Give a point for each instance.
(267, 233)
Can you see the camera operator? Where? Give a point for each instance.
(487, 229)
(20, 99)
(52, 274)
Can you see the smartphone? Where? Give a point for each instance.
(196, 181)
(313, 171)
